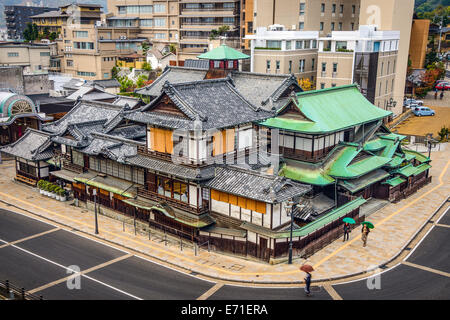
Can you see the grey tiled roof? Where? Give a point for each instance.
(167, 167)
(107, 83)
(34, 145)
(173, 75)
(216, 103)
(245, 183)
(257, 88)
(84, 111)
(196, 63)
(122, 101)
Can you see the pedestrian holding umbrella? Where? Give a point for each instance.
(308, 269)
(365, 231)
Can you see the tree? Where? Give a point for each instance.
(114, 72)
(46, 33)
(173, 48)
(222, 30)
(443, 133)
(305, 84)
(147, 66)
(28, 33)
(52, 37)
(145, 48)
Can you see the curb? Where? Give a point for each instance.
(190, 270)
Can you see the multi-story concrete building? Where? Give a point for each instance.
(418, 42)
(392, 15)
(367, 57)
(279, 51)
(35, 58)
(89, 43)
(304, 15)
(185, 23)
(17, 18)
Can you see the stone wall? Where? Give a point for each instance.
(37, 84)
(11, 78)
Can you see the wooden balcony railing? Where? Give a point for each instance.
(142, 192)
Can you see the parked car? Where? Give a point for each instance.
(443, 85)
(409, 102)
(423, 111)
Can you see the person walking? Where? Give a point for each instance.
(435, 94)
(346, 230)
(308, 283)
(365, 232)
(441, 95)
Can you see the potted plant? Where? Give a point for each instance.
(57, 197)
(46, 187)
(62, 194)
(40, 185)
(52, 190)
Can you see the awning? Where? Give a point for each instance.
(114, 185)
(422, 168)
(394, 181)
(355, 185)
(410, 170)
(70, 175)
(147, 206)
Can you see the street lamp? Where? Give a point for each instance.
(289, 208)
(94, 192)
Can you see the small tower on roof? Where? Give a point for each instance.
(222, 60)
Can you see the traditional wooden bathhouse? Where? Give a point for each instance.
(17, 113)
(334, 139)
(31, 151)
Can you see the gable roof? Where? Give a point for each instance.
(34, 145)
(329, 110)
(216, 103)
(223, 52)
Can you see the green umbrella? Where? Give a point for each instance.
(349, 220)
(369, 224)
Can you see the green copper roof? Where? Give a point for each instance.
(223, 52)
(410, 170)
(329, 110)
(419, 156)
(396, 161)
(341, 167)
(354, 185)
(302, 172)
(394, 181)
(104, 186)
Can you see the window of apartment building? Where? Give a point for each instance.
(341, 45)
(321, 26)
(307, 44)
(45, 54)
(332, 26)
(385, 90)
(268, 64)
(302, 8)
(277, 64)
(250, 27)
(146, 22)
(322, 86)
(301, 66)
(333, 85)
(290, 66)
(86, 74)
(353, 9)
(228, 5)
(288, 45)
(382, 67)
(160, 22)
(227, 20)
(335, 65)
(340, 26)
(313, 61)
(274, 44)
(392, 86)
(80, 34)
(301, 25)
(160, 35)
(322, 7)
(106, 75)
(159, 8)
(388, 67)
(324, 66)
(69, 63)
(299, 44)
(83, 45)
(68, 48)
(379, 89)
(314, 44)
(13, 54)
(393, 67)
(353, 26)
(341, 8)
(333, 8)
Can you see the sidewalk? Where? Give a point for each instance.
(394, 224)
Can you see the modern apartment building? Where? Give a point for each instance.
(184, 23)
(89, 43)
(304, 15)
(17, 18)
(278, 51)
(392, 15)
(367, 57)
(34, 58)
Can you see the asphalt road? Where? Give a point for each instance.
(45, 258)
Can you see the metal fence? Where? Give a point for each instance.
(12, 292)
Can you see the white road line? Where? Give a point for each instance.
(446, 211)
(64, 267)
